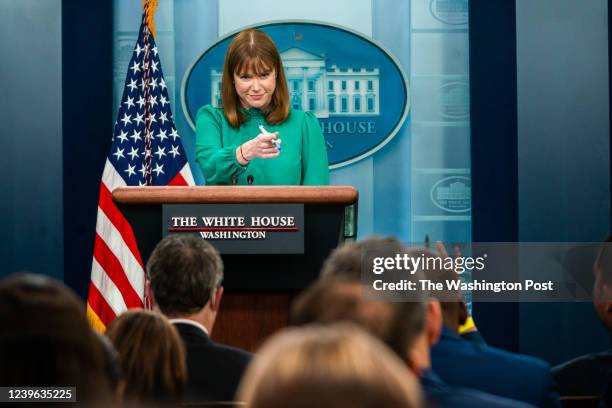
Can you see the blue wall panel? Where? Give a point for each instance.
(563, 154)
(31, 134)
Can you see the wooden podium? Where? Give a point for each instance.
(258, 287)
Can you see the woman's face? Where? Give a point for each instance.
(255, 91)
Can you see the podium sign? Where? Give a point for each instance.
(303, 225)
(240, 228)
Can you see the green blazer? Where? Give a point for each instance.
(302, 160)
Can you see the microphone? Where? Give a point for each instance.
(234, 180)
(250, 179)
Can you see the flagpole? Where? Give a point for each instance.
(147, 94)
(150, 7)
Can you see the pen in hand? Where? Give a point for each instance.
(275, 142)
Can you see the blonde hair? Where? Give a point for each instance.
(327, 366)
(253, 50)
(152, 356)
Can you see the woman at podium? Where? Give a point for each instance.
(256, 138)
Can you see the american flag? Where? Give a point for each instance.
(146, 150)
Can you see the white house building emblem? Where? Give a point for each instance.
(356, 88)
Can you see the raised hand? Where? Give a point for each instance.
(442, 250)
(260, 146)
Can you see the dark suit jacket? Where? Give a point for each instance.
(461, 363)
(214, 371)
(474, 337)
(441, 395)
(586, 375)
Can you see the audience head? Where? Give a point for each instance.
(112, 367)
(186, 274)
(152, 357)
(401, 326)
(334, 366)
(345, 262)
(46, 340)
(602, 289)
(345, 265)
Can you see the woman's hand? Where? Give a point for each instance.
(258, 147)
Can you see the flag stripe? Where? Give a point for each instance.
(178, 180)
(99, 306)
(111, 178)
(114, 215)
(114, 240)
(104, 284)
(187, 175)
(113, 277)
